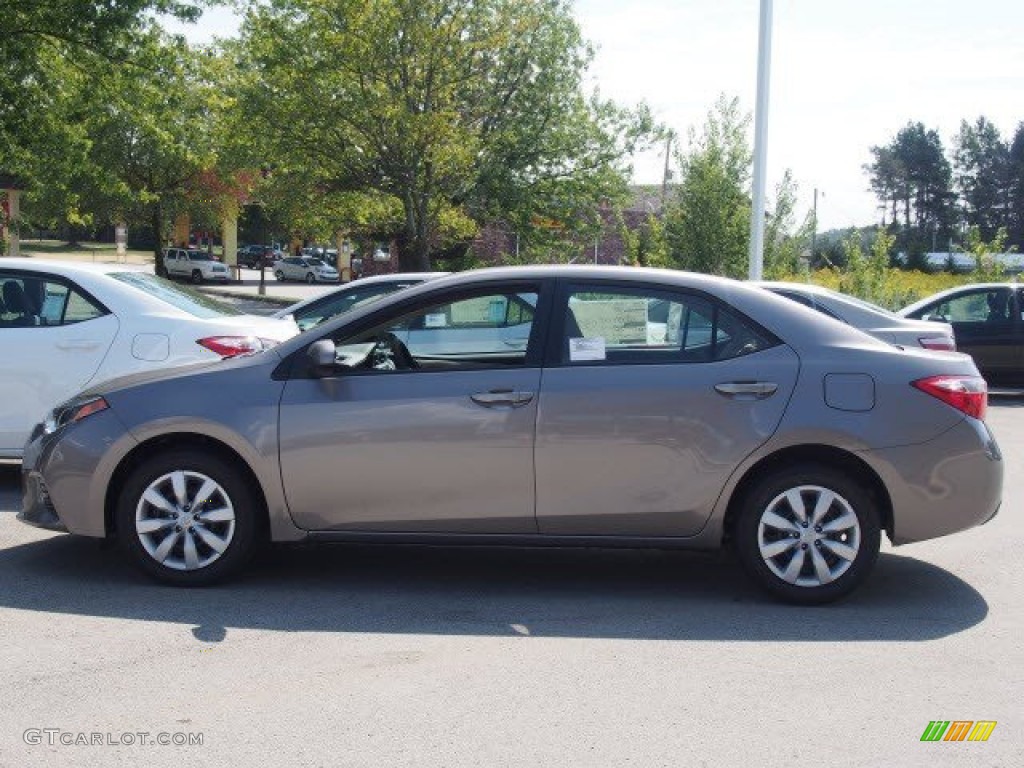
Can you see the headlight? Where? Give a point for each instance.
(72, 411)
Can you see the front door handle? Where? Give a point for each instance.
(501, 397)
(747, 390)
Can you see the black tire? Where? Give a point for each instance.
(197, 276)
(310, 278)
(832, 542)
(242, 534)
(279, 275)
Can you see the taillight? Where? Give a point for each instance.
(939, 343)
(968, 394)
(232, 346)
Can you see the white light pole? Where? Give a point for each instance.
(764, 60)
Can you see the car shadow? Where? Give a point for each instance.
(651, 595)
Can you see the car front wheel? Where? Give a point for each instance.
(197, 276)
(187, 518)
(279, 275)
(310, 278)
(808, 534)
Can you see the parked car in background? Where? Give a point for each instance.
(312, 312)
(989, 326)
(65, 326)
(311, 270)
(868, 317)
(771, 428)
(196, 266)
(251, 256)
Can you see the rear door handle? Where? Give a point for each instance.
(501, 397)
(746, 390)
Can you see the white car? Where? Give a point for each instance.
(302, 268)
(67, 325)
(314, 311)
(197, 266)
(870, 318)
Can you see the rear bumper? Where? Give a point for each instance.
(949, 484)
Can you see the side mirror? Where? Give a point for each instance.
(322, 357)
(935, 318)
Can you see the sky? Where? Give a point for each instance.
(846, 75)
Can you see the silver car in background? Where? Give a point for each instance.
(600, 407)
(310, 270)
(868, 317)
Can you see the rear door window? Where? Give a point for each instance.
(603, 325)
(29, 301)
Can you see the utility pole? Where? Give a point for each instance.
(814, 223)
(764, 58)
(668, 172)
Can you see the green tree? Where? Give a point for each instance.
(784, 244)
(708, 220)
(151, 136)
(981, 159)
(40, 42)
(987, 269)
(647, 244)
(462, 110)
(1015, 182)
(913, 181)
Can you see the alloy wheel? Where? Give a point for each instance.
(185, 520)
(809, 536)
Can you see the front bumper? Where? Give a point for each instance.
(64, 474)
(36, 507)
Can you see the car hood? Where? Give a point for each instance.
(181, 371)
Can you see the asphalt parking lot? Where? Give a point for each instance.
(337, 656)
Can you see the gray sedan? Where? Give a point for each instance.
(869, 317)
(600, 407)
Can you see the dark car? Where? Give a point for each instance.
(249, 256)
(987, 321)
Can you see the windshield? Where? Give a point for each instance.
(200, 256)
(178, 296)
(317, 263)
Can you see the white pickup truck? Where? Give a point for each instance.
(196, 266)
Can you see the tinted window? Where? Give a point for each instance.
(988, 306)
(797, 297)
(180, 297)
(35, 302)
(642, 325)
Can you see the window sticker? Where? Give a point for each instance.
(592, 348)
(435, 320)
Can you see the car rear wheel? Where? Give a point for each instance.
(310, 278)
(808, 534)
(197, 276)
(187, 518)
(279, 275)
